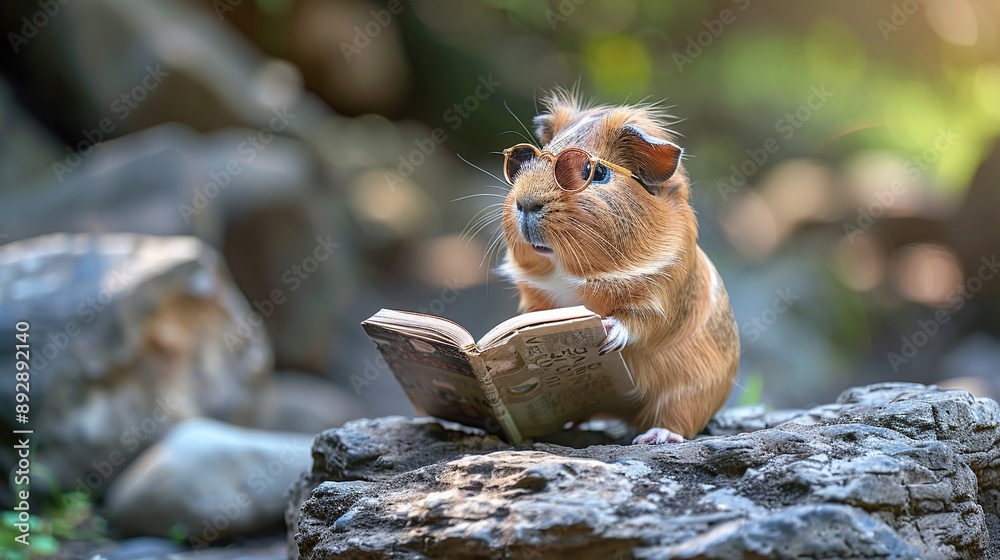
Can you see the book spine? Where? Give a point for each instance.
(497, 406)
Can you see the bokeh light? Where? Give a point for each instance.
(926, 273)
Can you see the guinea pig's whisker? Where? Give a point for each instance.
(493, 247)
(489, 209)
(572, 251)
(485, 212)
(484, 216)
(480, 168)
(523, 137)
(587, 232)
(520, 122)
(468, 196)
(478, 226)
(483, 225)
(495, 236)
(604, 241)
(605, 245)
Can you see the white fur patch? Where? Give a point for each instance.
(640, 271)
(561, 287)
(568, 133)
(715, 285)
(618, 336)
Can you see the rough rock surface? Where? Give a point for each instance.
(217, 480)
(129, 335)
(889, 471)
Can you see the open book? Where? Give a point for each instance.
(525, 378)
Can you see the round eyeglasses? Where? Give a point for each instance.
(573, 168)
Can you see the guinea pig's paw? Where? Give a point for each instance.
(617, 336)
(658, 436)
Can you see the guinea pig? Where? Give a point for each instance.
(600, 216)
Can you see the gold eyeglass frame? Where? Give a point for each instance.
(594, 160)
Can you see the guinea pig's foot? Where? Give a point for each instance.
(658, 436)
(617, 336)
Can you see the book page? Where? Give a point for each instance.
(436, 375)
(510, 326)
(551, 374)
(428, 327)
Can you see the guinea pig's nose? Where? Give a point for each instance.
(529, 212)
(529, 206)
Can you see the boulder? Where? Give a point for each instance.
(888, 471)
(259, 208)
(129, 334)
(214, 480)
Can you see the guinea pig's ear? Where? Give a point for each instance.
(656, 159)
(547, 125)
(561, 107)
(544, 127)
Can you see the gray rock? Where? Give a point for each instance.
(252, 200)
(267, 550)
(296, 402)
(252, 205)
(266, 547)
(138, 548)
(791, 533)
(373, 448)
(216, 480)
(889, 471)
(129, 334)
(168, 180)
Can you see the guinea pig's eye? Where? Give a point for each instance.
(601, 174)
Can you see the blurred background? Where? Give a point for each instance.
(845, 161)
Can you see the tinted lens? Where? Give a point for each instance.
(517, 158)
(573, 170)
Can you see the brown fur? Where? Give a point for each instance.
(632, 256)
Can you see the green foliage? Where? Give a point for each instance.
(63, 517)
(753, 389)
(179, 533)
